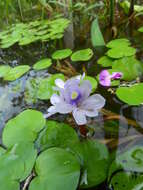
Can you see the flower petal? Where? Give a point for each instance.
(64, 108)
(92, 113)
(105, 78)
(85, 89)
(79, 116)
(55, 99)
(116, 75)
(93, 102)
(59, 83)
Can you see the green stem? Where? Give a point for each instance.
(131, 11)
(20, 8)
(112, 11)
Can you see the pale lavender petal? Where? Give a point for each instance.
(116, 75)
(92, 113)
(64, 108)
(52, 109)
(85, 89)
(105, 78)
(94, 102)
(59, 83)
(79, 116)
(55, 99)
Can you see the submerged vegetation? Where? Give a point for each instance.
(71, 95)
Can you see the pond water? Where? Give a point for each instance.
(119, 125)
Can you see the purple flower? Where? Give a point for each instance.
(74, 97)
(105, 77)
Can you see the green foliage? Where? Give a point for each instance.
(24, 34)
(45, 89)
(105, 61)
(122, 42)
(93, 82)
(131, 95)
(57, 135)
(4, 70)
(140, 29)
(126, 6)
(56, 169)
(42, 64)
(16, 72)
(61, 54)
(82, 55)
(96, 35)
(23, 128)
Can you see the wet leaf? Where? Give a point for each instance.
(61, 54)
(46, 85)
(42, 64)
(118, 43)
(105, 61)
(96, 35)
(56, 169)
(57, 135)
(23, 128)
(131, 95)
(16, 72)
(82, 55)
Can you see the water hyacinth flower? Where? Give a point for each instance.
(105, 77)
(74, 97)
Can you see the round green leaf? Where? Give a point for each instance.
(61, 54)
(105, 61)
(46, 85)
(131, 95)
(120, 52)
(42, 64)
(93, 82)
(23, 128)
(82, 55)
(4, 70)
(56, 169)
(140, 29)
(57, 135)
(95, 162)
(16, 72)
(126, 180)
(129, 66)
(122, 42)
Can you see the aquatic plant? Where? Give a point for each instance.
(74, 97)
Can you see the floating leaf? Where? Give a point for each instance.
(42, 64)
(129, 66)
(61, 54)
(140, 29)
(16, 72)
(105, 61)
(46, 85)
(96, 35)
(93, 82)
(95, 162)
(4, 70)
(120, 52)
(118, 43)
(131, 95)
(126, 180)
(56, 169)
(23, 128)
(82, 55)
(57, 135)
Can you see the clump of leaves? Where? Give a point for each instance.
(26, 33)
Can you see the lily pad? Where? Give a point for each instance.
(129, 66)
(61, 54)
(46, 85)
(42, 64)
(105, 61)
(82, 55)
(120, 52)
(126, 180)
(16, 164)
(4, 70)
(131, 95)
(94, 156)
(57, 135)
(16, 72)
(56, 169)
(23, 128)
(121, 42)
